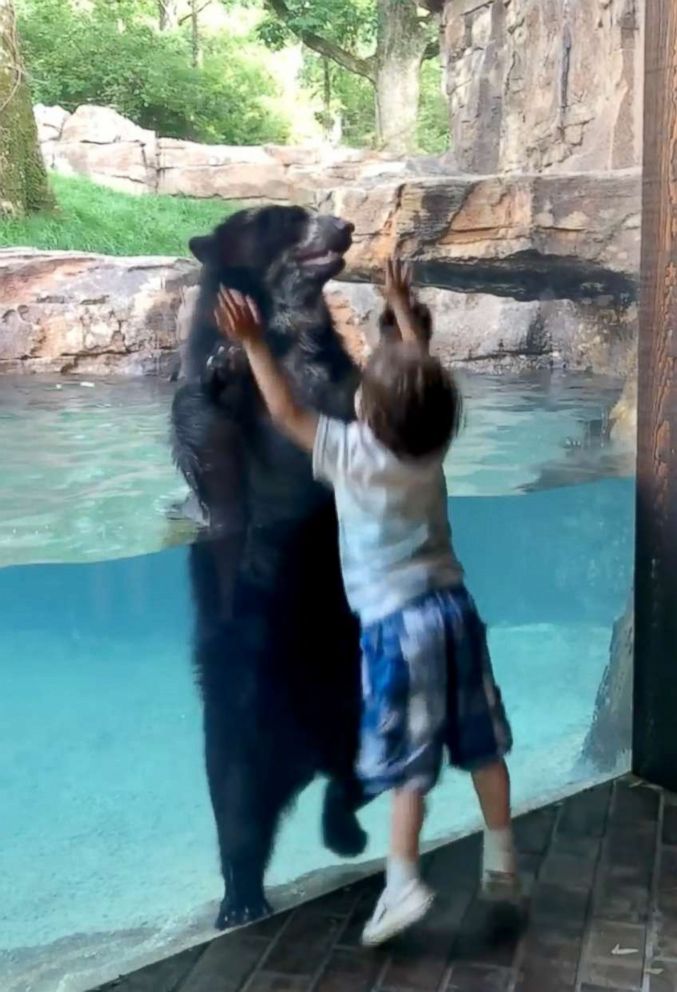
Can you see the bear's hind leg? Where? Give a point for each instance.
(249, 791)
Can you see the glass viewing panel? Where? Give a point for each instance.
(523, 219)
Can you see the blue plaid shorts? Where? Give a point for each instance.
(428, 687)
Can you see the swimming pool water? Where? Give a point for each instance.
(87, 472)
(106, 836)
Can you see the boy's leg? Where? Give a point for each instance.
(478, 736)
(492, 785)
(404, 659)
(499, 861)
(408, 812)
(405, 899)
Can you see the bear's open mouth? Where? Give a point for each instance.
(320, 258)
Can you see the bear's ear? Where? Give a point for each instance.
(203, 247)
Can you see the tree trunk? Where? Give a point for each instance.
(23, 179)
(196, 47)
(167, 14)
(400, 48)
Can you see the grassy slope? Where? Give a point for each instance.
(93, 218)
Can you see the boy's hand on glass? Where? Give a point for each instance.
(397, 287)
(237, 317)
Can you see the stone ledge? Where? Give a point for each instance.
(526, 236)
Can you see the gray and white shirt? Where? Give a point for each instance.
(394, 534)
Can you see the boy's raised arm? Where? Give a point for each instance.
(237, 318)
(397, 294)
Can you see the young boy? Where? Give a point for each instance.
(427, 681)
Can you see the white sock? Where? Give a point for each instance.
(499, 851)
(399, 873)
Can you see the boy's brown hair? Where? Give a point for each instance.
(410, 402)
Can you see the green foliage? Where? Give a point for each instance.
(433, 111)
(93, 218)
(349, 23)
(111, 55)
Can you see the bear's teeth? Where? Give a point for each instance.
(322, 259)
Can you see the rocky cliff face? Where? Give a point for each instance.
(538, 85)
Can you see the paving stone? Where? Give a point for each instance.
(585, 815)
(614, 955)
(420, 958)
(565, 908)
(305, 942)
(534, 831)
(226, 963)
(571, 862)
(477, 978)
(589, 862)
(661, 976)
(598, 988)
(542, 979)
(635, 804)
(350, 971)
(489, 935)
(262, 981)
(665, 935)
(670, 825)
(164, 976)
(621, 903)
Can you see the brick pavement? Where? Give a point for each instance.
(601, 871)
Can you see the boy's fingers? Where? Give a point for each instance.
(253, 310)
(229, 312)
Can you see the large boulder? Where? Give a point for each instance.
(89, 314)
(526, 236)
(245, 174)
(99, 143)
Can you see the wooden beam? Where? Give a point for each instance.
(655, 688)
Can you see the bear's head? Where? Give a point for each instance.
(275, 249)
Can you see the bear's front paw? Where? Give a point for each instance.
(233, 913)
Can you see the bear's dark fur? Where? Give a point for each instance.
(275, 646)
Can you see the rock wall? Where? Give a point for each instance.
(538, 85)
(70, 312)
(99, 143)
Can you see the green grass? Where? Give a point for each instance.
(93, 218)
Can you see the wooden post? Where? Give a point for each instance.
(655, 687)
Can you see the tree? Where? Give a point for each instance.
(23, 179)
(167, 14)
(402, 39)
(77, 55)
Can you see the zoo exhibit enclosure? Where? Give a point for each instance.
(543, 240)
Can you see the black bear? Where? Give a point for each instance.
(276, 649)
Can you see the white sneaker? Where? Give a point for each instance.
(394, 913)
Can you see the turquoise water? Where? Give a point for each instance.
(106, 836)
(87, 473)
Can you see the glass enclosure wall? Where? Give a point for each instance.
(525, 236)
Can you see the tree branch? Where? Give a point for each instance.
(187, 17)
(323, 46)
